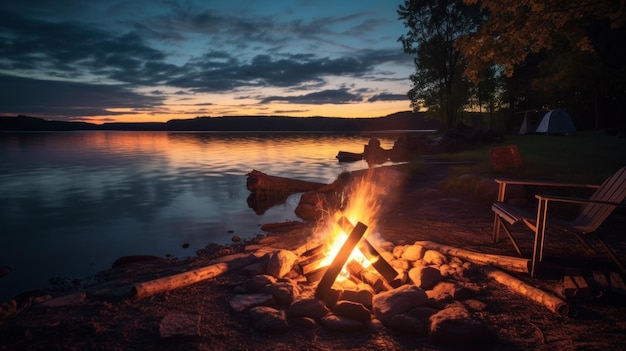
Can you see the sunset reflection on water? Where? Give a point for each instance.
(80, 200)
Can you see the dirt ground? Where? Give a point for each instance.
(119, 322)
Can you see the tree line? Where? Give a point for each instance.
(497, 58)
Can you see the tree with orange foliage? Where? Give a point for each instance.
(516, 28)
(582, 41)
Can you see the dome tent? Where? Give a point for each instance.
(556, 121)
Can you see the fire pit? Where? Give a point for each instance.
(347, 278)
(351, 261)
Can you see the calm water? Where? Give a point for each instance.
(71, 203)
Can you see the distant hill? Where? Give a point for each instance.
(26, 123)
(397, 121)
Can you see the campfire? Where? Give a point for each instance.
(346, 251)
(346, 277)
(348, 257)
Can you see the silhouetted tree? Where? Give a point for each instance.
(433, 27)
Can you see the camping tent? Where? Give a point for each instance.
(556, 121)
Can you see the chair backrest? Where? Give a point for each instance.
(613, 189)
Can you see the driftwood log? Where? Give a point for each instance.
(159, 285)
(552, 302)
(513, 264)
(261, 183)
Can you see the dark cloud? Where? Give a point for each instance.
(71, 49)
(228, 73)
(68, 99)
(338, 96)
(388, 97)
(59, 43)
(278, 112)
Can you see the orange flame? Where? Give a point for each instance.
(363, 205)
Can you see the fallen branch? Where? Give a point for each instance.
(513, 264)
(552, 302)
(172, 282)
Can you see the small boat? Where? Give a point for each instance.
(345, 156)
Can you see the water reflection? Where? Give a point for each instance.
(71, 203)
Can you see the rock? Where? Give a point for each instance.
(466, 291)
(268, 319)
(399, 250)
(352, 310)
(179, 324)
(241, 303)
(446, 270)
(400, 264)
(454, 325)
(425, 277)
(284, 292)
(309, 307)
(341, 324)
(258, 282)
(449, 290)
(413, 253)
(363, 297)
(387, 304)
(435, 258)
(280, 263)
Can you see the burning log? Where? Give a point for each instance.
(315, 275)
(377, 261)
(339, 261)
(312, 255)
(172, 282)
(369, 251)
(552, 302)
(365, 276)
(261, 183)
(513, 264)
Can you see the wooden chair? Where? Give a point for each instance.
(594, 211)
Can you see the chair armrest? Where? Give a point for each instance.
(545, 183)
(502, 183)
(576, 200)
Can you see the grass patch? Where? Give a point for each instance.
(587, 157)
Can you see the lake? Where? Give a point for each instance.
(71, 203)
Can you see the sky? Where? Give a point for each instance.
(153, 60)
